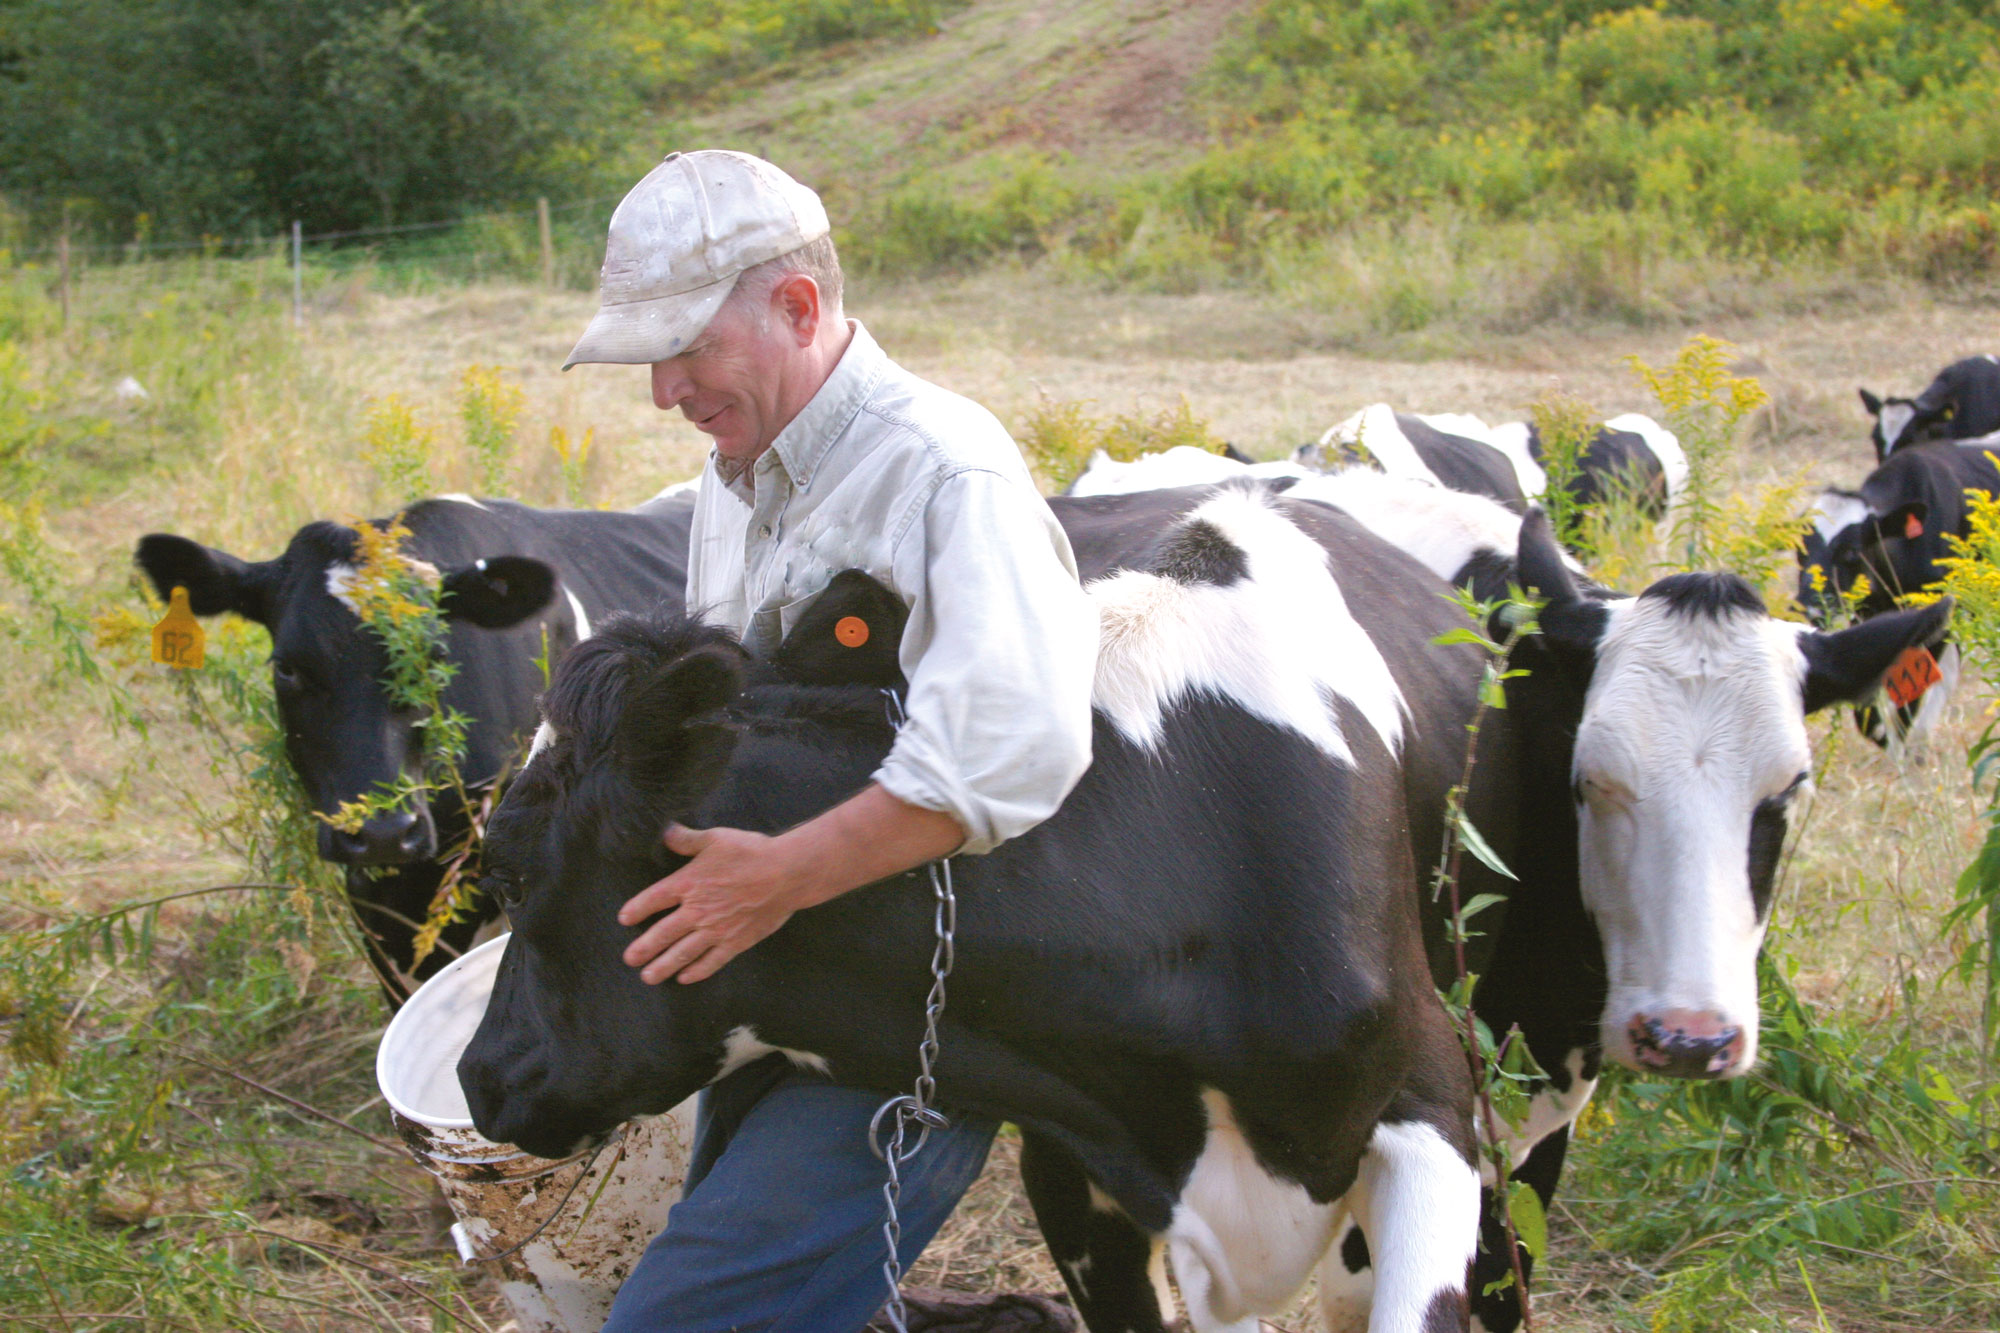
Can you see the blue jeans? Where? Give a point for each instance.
(780, 1224)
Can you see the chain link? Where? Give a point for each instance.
(914, 1107)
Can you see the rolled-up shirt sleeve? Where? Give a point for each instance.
(999, 651)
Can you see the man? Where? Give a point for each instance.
(720, 273)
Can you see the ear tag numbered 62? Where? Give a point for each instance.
(178, 638)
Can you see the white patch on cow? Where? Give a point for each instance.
(1242, 1241)
(1100, 1202)
(1835, 511)
(1417, 1202)
(741, 1046)
(460, 497)
(1441, 528)
(1182, 465)
(1511, 439)
(1549, 1109)
(340, 583)
(1666, 447)
(1689, 722)
(1895, 419)
(1374, 428)
(667, 493)
(1076, 1268)
(582, 616)
(1280, 643)
(545, 736)
(341, 576)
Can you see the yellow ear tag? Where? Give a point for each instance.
(178, 638)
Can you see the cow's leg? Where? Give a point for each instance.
(1115, 1272)
(1501, 1311)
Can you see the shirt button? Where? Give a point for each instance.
(764, 531)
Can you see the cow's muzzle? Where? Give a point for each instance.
(1681, 1043)
(397, 838)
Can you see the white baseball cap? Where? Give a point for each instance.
(678, 242)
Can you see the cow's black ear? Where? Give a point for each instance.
(1848, 666)
(1568, 619)
(1906, 520)
(1872, 403)
(667, 733)
(498, 592)
(852, 634)
(216, 581)
(1235, 455)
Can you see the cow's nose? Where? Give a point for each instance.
(1685, 1043)
(395, 838)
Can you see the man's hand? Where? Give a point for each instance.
(741, 887)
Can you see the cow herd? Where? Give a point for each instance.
(1206, 989)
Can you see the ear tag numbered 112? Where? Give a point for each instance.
(1914, 673)
(179, 638)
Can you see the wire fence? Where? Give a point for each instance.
(553, 244)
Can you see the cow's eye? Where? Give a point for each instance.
(287, 677)
(504, 886)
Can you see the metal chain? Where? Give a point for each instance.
(914, 1107)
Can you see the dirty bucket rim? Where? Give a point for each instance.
(403, 1019)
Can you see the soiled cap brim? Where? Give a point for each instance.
(638, 333)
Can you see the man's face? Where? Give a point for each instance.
(730, 381)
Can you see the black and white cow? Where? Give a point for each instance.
(1659, 741)
(1450, 450)
(519, 583)
(1629, 455)
(1962, 403)
(1182, 465)
(1893, 531)
(1200, 988)
(1505, 463)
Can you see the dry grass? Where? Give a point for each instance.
(77, 820)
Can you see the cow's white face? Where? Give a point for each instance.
(1691, 746)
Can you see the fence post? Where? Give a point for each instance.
(62, 259)
(298, 282)
(548, 242)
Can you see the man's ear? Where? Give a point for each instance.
(1568, 619)
(667, 734)
(1872, 403)
(215, 580)
(498, 592)
(1848, 666)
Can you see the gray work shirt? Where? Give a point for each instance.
(925, 491)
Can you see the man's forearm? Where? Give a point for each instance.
(867, 837)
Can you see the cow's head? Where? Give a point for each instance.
(1691, 751)
(1878, 532)
(645, 723)
(343, 736)
(1899, 421)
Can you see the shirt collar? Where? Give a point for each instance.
(805, 440)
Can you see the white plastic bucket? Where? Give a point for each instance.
(563, 1280)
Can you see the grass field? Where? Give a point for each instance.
(149, 1184)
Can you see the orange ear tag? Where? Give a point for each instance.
(1915, 672)
(852, 631)
(178, 638)
(1913, 526)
